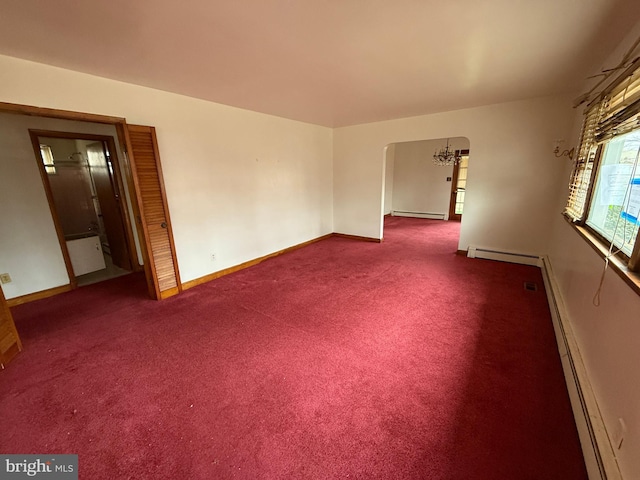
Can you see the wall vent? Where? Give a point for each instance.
(531, 286)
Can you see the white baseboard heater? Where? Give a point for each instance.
(503, 256)
(597, 451)
(434, 216)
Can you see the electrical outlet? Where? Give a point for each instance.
(213, 257)
(5, 278)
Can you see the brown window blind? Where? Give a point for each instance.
(621, 107)
(615, 112)
(583, 170)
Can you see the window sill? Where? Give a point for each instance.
(631, 278)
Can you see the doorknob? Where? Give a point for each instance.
(163, 224)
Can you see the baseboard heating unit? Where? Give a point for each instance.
(434, 216)
(597, 450)
(503, 256)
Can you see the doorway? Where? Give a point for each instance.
(155, 253)
(83, 181)
(459, 185)
(416, 186)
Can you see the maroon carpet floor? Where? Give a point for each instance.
(343, 359)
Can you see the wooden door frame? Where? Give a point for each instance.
(123, 138)
(118, 189)
(454, 187)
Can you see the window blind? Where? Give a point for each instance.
(616, 112)
(583, 169)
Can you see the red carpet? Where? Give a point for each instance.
(343, 359)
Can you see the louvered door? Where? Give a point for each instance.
(161, 266)
(9, 341)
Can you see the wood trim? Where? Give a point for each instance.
(599, 238)
(70, 135)
(54, 113)
(31, 297)
(617, 265)
(357, 237)
(170, 292)
(634, 261)
(34, 134)
(250, 263)
(6, 319)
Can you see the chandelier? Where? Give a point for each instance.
(446, 157)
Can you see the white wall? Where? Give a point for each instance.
(513, 174)
(608, 335)
(419, 186)
(239, 184)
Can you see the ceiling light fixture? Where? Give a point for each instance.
(446, 157)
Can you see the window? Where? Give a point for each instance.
(47, 159)
(604, 194)
(613, 212)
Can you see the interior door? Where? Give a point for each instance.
(459, 186)
(161, 265)
(110, 204)
(10, 343)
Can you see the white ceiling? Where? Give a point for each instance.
(329, 62)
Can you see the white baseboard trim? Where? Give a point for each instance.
(598, 453)
(434, 216)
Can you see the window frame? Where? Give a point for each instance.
(597, 131)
